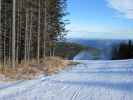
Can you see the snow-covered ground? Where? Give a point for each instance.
(90, 80)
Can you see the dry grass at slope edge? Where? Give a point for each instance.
(48, 66)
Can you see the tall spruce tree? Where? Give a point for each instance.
(29, 28)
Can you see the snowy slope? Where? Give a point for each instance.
(90, 80)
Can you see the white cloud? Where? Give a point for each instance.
(124, 7)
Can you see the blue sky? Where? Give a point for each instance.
(100, 18)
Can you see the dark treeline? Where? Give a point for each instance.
(29, 29)
(123, 51)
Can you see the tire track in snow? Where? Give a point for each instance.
(76, 94)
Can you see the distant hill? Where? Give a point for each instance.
(96, 43)
(68, 50)
(105, 46)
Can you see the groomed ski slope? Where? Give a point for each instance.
(90, 80)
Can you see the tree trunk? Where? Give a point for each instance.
(4, 34)
(14, 33)
(18, 31)
(0, 38)
(45, 29)
(53, 51)
(39, 31)
(26, 37)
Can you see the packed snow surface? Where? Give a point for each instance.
(90, 80)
